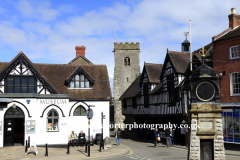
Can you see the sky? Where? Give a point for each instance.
(47, 31)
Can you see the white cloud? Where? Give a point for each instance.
(41, 32)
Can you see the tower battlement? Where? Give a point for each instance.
(126, 45)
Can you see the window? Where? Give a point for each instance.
(80, 111)
(23, 84)
(234, 52)
(79, 81)
(146, 95)
(235, 80)
(52, 120)
(127, 61)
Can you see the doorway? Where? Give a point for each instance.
(14, 127)
(206, 149)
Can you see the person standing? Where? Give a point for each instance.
(172, 136)
(73, 138)
(140, 134)
(118, 135)
(155, 132)
(167, 134)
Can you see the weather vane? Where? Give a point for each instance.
(202, 52)
(186, 34)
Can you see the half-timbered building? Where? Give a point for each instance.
(47, 101)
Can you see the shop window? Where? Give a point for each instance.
(20, 84)
(127, 61)
(52, 120)
(235, 83)
(79, 81)
(80, 111)
(234, 52)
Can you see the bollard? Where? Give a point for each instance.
(100, 147)
(46, 150)
(86, 148)
(28, 141)
(68, 149)
(26, 147)
(89, 149)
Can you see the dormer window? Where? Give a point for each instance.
(79, 81)
(127, 61)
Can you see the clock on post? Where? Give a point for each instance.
(204, 83)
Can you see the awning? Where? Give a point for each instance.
(4, 102)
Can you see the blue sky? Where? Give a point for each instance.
(47, 31)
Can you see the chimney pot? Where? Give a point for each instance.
(233, 10)
(80, 50)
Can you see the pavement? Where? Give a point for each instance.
(18, 152)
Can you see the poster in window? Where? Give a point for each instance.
(236, 131)
(229, 126)
(31, 126)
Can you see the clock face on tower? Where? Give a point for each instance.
(205, 91)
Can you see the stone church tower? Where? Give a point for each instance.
(126, 70)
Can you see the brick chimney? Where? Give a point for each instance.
(80, 50)
(234, 19)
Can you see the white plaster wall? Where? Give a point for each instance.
(66, 124)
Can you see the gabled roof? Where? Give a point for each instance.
(80, 56)
(56, 75)
(153, 71)
(180, 60)
(133, 90)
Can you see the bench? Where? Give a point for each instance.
(92, 141)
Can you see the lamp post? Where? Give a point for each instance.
(89, 116)
(101, 143)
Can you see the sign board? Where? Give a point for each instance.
(35, 147)
(30, 126)
(0, 127)
(89, 113)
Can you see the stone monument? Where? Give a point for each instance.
(206, 133)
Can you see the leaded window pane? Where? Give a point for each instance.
(82, 78)
(235, 83)
(24, 89)
(17, 81)
(31, 81)
(72, 84)
(10, 80)
(17, 90)
(24, 81)
(82, 84)
(77, 84)
(10, 89)
(77, 112)
(83, 112)
(30, 89)
(87, 84)
(77, 78)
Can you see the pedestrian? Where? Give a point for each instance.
(156, 133)
(167, 134)
(172, 133)
(140, 132)
(118, 135)
(148, 134)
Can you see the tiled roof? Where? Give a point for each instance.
(153, 72)
(133, 90)
(157, 89)
(87, 60)
(56, 74)
(180, 60)
(232, 33)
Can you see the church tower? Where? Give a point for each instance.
(126, 70)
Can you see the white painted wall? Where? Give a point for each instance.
(66, 124)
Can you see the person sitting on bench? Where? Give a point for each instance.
(73, 138)
(81, 138)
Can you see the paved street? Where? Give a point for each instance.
(146, 151)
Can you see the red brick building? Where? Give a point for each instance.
(226, 63)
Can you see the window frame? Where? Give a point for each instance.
(230, 53)
(52, 118)
(6, 85)
(80, 106)
(127, 61)
(231, 84)
(79, 81)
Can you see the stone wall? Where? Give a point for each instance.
(124, 75)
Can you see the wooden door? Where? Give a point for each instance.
(9, 132)
(206, 149)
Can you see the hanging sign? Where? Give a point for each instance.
(90, 113)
